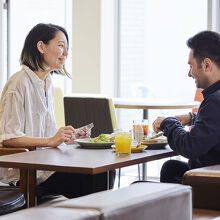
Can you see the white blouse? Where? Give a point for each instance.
(26, 110)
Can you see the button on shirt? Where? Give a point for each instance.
(26, 110)
(202, 144)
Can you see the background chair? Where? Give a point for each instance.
(198, 97)
(82, 109)
(59, 107)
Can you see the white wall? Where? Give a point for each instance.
(86, 46)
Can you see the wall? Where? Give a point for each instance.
(86, 46)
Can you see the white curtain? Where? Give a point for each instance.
(3, 72)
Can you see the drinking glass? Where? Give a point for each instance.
(145, 126)
(123, 143)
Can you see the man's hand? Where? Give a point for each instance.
(156, 124)
(184, 119)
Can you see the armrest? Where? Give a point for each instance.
(205, 183)
(11, 150)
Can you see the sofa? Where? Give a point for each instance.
(138, 201)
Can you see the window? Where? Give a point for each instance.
(23, 15)
(153, 54)
(152, 48)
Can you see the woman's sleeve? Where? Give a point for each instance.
(12, 118)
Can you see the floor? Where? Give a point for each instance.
(129, 175)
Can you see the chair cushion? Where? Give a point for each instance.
(10, 200)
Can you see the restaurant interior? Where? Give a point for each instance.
(127, 61)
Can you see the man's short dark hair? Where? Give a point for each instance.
(205, 44)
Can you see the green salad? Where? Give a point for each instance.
(100, 139)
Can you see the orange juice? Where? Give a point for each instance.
(123, 143)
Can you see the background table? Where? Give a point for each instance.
(72, 159)
(145, 104)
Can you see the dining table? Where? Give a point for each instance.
(75, 159)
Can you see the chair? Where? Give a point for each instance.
(198, 97)
(82, 109)
(59, 107)
(205, 184)
(10, 197)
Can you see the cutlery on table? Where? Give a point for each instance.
(86, 129)
(157, 135)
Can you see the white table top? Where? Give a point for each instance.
(144, 103)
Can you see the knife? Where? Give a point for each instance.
(157, 135)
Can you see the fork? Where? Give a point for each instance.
(86, 129)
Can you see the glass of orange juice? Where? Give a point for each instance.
(123, 143)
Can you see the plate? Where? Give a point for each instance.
(157, 145)
(84, 142)
(135, 149)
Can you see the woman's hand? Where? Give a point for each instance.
(156, 124)
(64, 134)
(184, 119)
(78, 134)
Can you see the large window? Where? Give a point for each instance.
(152, 48)
(23, 15)
(153, 54)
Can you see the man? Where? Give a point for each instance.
(201, 145)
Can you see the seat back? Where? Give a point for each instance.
(59, 107)
(84, 109)
(138, 201)
(198, 97)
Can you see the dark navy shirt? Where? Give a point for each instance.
(201, 145)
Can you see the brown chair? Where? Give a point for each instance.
(198, 97)
(82, 109)
(11, 199)
(205, 184)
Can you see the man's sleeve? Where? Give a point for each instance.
(203, 136)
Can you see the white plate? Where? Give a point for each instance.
(84, 142)
(154, 146)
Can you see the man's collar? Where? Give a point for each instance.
(211, 89)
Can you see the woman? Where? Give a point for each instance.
(27, 109)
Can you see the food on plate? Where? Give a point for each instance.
(102, 138)
(148, 140)
(135, 148)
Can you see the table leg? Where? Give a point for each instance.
(23, 185)
(119, 177)
(32, 187)
(145, 113)
(144, 171)
(108, 180)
